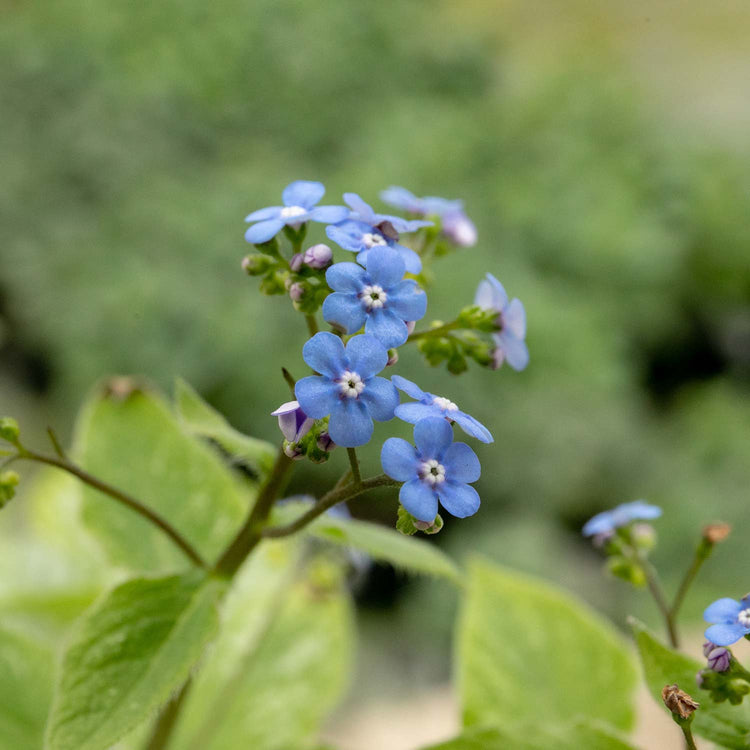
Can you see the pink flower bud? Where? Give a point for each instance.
(318, 256)
(296, 292)
(296, 262)
(392, 357)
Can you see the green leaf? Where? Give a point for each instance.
(204, 421)
(281, 661)
(722, 723)
(25, 690)
(387, 545)
(128, 655)
(134, 443)
(528, 649)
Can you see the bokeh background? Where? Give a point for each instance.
(599, 145)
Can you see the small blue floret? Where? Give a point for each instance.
(731, 618)
(610, 520)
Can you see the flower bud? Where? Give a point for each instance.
(296, 262)
(8, 482)
(9, 430)
(318, 256)
(293, 422)
(714, 533)
(392, 357)
(410, 326)
(719, 659)
(256, 264)
(325, 443)
(296, 291)
(460, 229)
(708, 647)
(273, 283)
(293, 451)
(643, 536)
(497, 357)
(679, 702)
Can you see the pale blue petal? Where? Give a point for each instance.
(406, 225)
(317, 396)
(638, 510)
(432, 437)
(724, 634)
(344, 309)
(515, 351)
(419, 499)
(460, 500)
(484, 296)
(407, 300)
(499, 295)
(415, 410)
(722, 610)
(411, 260)
(409, 388)
(381, 398)
(347, 235)
(461, 463)
(350, 424)
(471, 426)
(387, 327)
(329, 214)
(366, 355)
(272, 212)
(601, 523)
(346, 277)
(263, 231)
(363, 210)
(399, 459)
(303, 193)
(401, 198)
(324, 352)
(514, 319)
(385, 266)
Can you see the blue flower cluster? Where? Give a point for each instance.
(375, 296)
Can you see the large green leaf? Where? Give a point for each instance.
(529, 650)
(281, 661)
(134, 443)
(204, 421)
(25, 690)
(128, 655)
(722, 723)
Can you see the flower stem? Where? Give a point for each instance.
(657, 592)
(354, 463)
(312, 324)
(689, 740)
(162, 730)
(120, 496)
(432, 332)
(290, 381)
(702, 553)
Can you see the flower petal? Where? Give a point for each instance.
(724, 634)
(344, 309)
(288, 407)
(385, 266)
(324, 352)
(381, 398)
(366, 355)
(419, 499)
(722, 610)
(409, 388)
(460, 500)
(350, 424)
(387, 327)
(514, 319)
(348, 235)
(401, 198)
(317, 396)
(346, 277)
(407, 300)
(263, 231)
(329, 214)
(411, 260)
(471, 426)
(491, 294)
(272, 212)
(363, 210)
(599, 524)
(414, 411)
(399, 459)
(432, 437)
(461, 463)
(515, 351)
(303, 193)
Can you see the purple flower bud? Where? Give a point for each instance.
(296, 291)
(460, 229)
(293, 422)
(719, 659)
(699, 678)
(318, 256)
(410, 326)
(708, 647)
(498, 357)
(296, 262)
(325, 443)
(392, 357)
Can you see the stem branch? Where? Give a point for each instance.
(312, 324)
(431, 332)
(701, 555)
(354, 463)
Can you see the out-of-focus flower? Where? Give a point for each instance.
(607, 521)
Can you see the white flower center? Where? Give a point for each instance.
(743, 618)
(292, 212)
(351, 384)
(373, 296)
(444, 403)
(432, 472)
(371, 239)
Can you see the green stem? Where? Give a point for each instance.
(702, 553)
(251, 533)
(290, 381)
(354, 463)
(689, 740)
(162, 731)
(120, 496)
(335, 496)
(432, 332)
(312, 324)
(657, 592)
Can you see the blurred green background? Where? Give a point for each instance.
(600, 147)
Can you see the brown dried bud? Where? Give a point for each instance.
(678, 701)
(714, 533)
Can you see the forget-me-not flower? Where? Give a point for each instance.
(377, 297)
(347, 388)
(430, 405)
(608, 521)
(364, 229)
(437, 469)
(293, 422)
(300, 199)
(511, 319)
(731, 618)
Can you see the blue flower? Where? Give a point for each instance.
(365, 229)
(346, 387)
(299, 206)
(378, 298)
(511, 319)
(609, 520)
(732, 620)
(437, 469)
(430, 405)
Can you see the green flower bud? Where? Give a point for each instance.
(457, 363)
(475, 318)
(621, 567)
(8, 482)
(274, 283)
(408, 525)
(270, 248)
(9, 430)
(257, 264)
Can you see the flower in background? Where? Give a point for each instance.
(378, 298)
(300, 199)
(610, 520)
(430, 405)
(511, 320)
(364, 229)
(731, 618)
(347, 388)
(436, 470)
